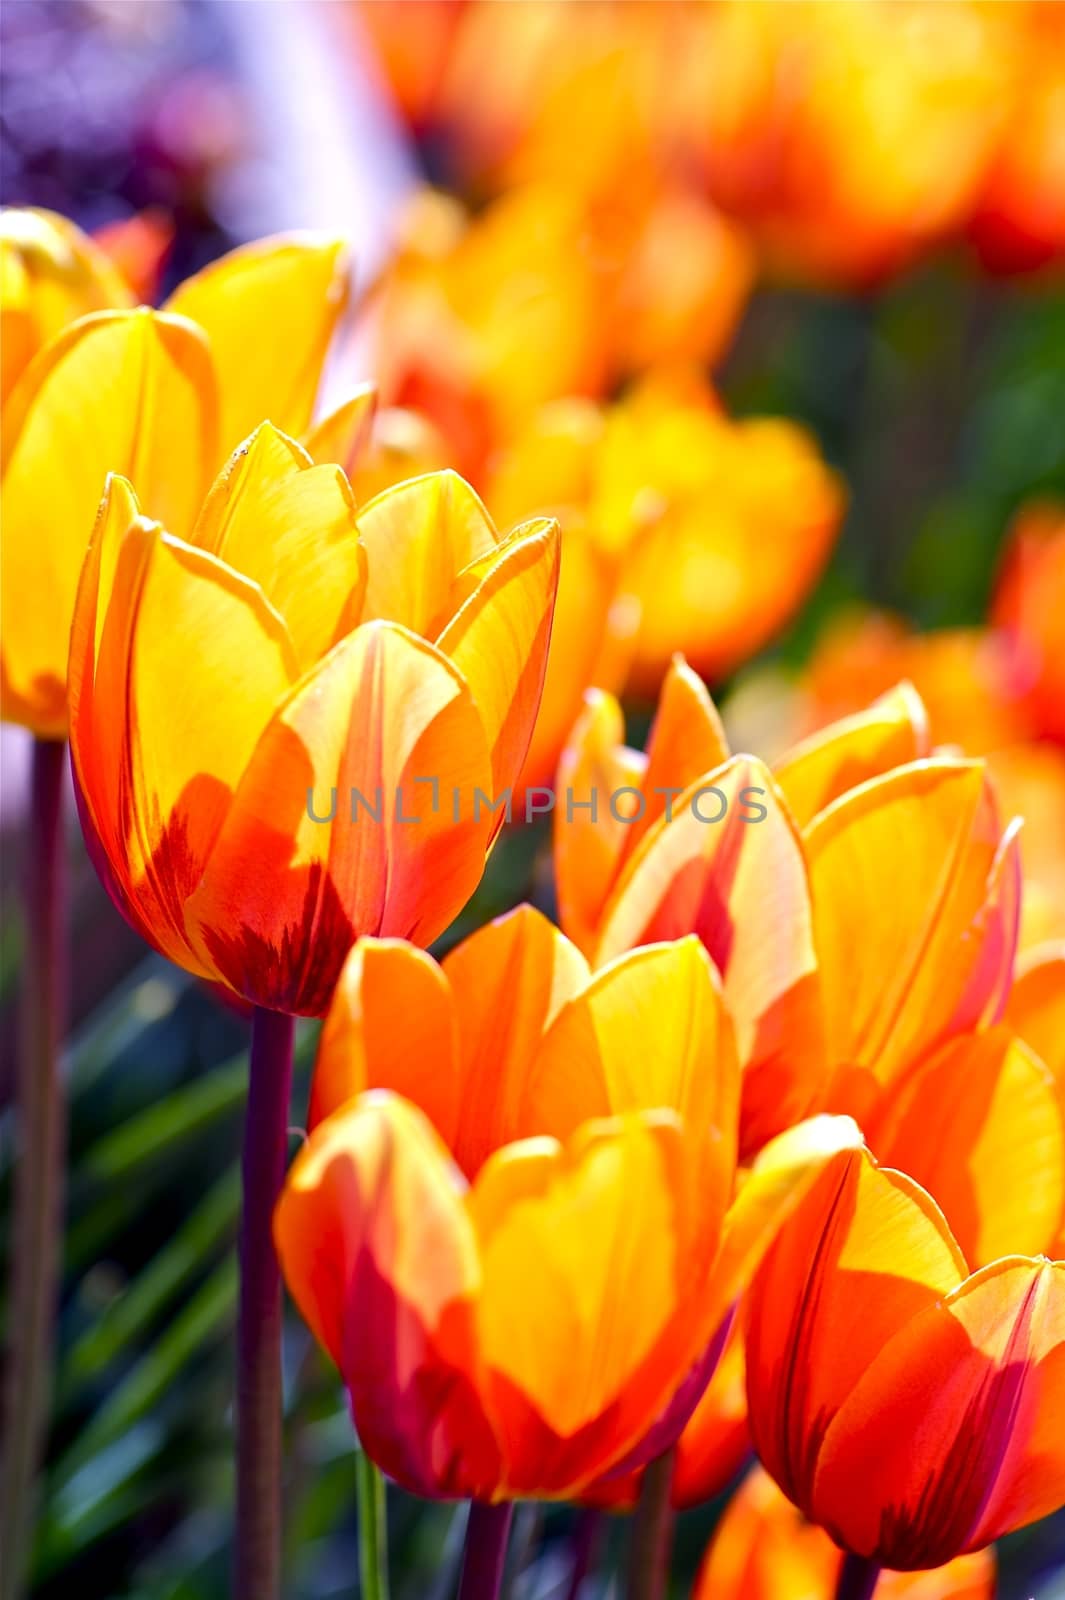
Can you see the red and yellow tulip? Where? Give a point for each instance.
(764, 1549)
(514, 1226)
(232, 693)
(907, 1405)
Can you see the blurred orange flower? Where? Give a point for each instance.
(226, 690)
(907, 1406)
(157, 398)
(523, 1267)
(50, 274)
(851, 138)
(763, 1549)
(705, 534)
(139, 245)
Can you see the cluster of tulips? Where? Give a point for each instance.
(760, 1148)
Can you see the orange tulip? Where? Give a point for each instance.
(1028, 606)
(906, 1406)
(227, 692)
(520, 1268)
(763, 1549)
(677, 492)
(50, 274)
(1036, 1006)
(138, 246)
(160, 400)
(804, 103)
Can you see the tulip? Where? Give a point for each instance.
(1036, 1005)
(1027, 607)
(501, 1149)
(50, 274)
(763, 1549)
(904, 1404)
(139, 246)
(121, 392)
(675, 492)
(226, 691)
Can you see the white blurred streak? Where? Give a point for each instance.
(332, 154)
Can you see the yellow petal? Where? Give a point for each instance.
(289, 526)
(979, 1125)
(891, 733)
(128, 392)
(269, 310)
(499, 639)
(418, 537)
(344, 435)
(177, 666)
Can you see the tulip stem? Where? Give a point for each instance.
(258, 1529)
(585, 1544)
(858, 1577)
(373, 1529)
(37, 1201)
(487, 1533)
(652, 1532)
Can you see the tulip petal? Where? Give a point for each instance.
(1036, 1007)
(590, 832)
(740, 884)
(686, 739)
(650, 1030)
(344, 435)
(158, 750)
(391, 1024)
(864, 1252)
(270, 310)
(125, 391)
(904, 869)
(893, 732)
(499, 639)
(290, 526)
(979, 1125)
(382, 711)
(952, 1436)
(716, 1440)
(378, 1252)
(585, 1318)
(508, 982)
(418, 537)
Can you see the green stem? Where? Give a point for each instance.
(373, 1529)
(652, 1532)
(37, 1201)
(258, 1530)
(858, 1577)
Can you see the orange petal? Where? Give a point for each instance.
(269, 309)
(499, 638)
(907, 879)
(686, 740)
(764, 1549)
(125, 391)
(290, 526)
(418, 537)
(379, 1254)
(390, 1025)
(891, 733)
(1036, 1007)
(740, 884)
(865, 1251)
(589, 832)
(380, 712)
(979, 1125)
(952, 1436)
(177, 666)
(716, 1440)
(508, 982)
(344, 435)
(586, 1318)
